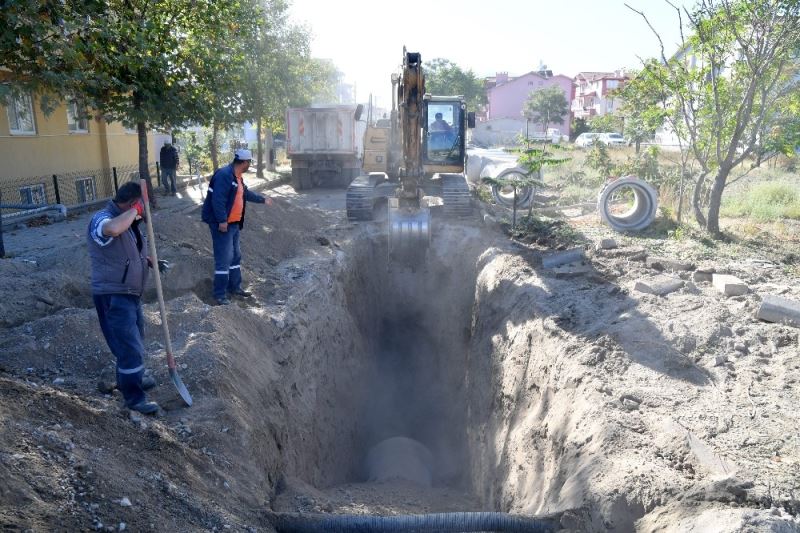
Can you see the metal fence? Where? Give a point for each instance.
(69, 188)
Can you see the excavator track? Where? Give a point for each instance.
(360, 199)
(456, 196)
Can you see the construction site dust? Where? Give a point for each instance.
(482, 382)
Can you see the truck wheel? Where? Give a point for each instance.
(305, 179)
(297, 182)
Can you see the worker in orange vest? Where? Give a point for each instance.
(223, 211)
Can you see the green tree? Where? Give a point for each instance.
(546, 106)
(732, 81)
(148, 64)
(579, 125)
(605, 123)
(444, 77)
(40, 47)
(599, 159)
(644, 104)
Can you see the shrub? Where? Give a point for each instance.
(764, 201)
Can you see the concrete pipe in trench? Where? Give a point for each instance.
(640, 200)
(506, 197)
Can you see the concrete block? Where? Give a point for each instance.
(571, 271)
(562, 258)
(702, 277)
(707, 268)
(729, 285)
(781, 310)
(660, 286)
(606, 244)
(664, 263)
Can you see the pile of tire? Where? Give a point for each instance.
(642, 212)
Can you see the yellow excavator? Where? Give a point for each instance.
(424, 160)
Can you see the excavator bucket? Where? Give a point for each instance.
(409, 234)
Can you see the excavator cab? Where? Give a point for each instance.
(443, 135)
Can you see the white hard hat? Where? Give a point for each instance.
(243, 154)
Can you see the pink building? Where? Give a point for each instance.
(507, 96)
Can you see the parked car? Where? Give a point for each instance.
(585, 140)
(613, 139)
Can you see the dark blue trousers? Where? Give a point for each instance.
(122, 323)
(227, 260)
(169, 175)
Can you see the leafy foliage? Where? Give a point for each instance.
(547, 106)
(605, 123)
(730, 87)
(598, 159)
(443, 77)
(579, 125)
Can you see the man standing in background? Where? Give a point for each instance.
(169, 166)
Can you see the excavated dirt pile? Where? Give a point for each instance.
(481, 382)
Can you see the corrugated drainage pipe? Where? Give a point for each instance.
(635, 192)
(440, 523)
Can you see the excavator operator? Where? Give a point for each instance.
(440, 125)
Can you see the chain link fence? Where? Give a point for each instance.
(71, 189)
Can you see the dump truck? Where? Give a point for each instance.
(325, 145)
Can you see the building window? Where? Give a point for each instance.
(612, 84)
(33, 194)
(86, 189)
(20, 116)
(77, 122)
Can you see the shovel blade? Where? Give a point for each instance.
(182, 390)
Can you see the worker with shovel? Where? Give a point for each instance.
(119, 263)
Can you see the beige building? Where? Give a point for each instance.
(80, 152)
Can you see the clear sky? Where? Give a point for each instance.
(365, 38)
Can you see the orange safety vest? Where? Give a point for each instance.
(238, 203)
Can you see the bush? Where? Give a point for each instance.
(643, 165)
(599, 160)
(764, 201)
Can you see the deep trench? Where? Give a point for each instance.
(426, 366)
(416, 326)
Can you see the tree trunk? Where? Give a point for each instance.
(259, 151)
(530, 204)
(680, 192)
(698, 210)
(144, 170)
(712, 224)
(270, 145)
(638, 145)
(514, 215)
(213, 146)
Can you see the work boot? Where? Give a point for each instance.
(148, 382)
(145, 407)
(241, 293)
(223, 301)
